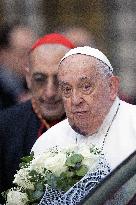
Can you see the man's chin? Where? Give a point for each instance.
(50, 115)
(78, 129)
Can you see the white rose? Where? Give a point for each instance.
(38, 163)
(22, 179)
(90, 159)
(56, 164)
(16, 198)
(70, 148)
(84, 150)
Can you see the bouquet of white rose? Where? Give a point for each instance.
(58, 168)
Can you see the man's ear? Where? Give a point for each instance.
(114, 87)
(28, 77)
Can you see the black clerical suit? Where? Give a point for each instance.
(19, 128)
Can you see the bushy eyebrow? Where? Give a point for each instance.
(63, 83)
(39, 73)
(87, 78)
(83, 78)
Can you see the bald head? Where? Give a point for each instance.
(52, 52)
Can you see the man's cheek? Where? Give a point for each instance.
(69, 113)
(66, 105)
(37, 88)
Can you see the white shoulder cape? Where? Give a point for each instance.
(119, 144)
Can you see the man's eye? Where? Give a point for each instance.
(87, 88)
(39, 78)
(66, 91)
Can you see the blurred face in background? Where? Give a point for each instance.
(87, 93)
(15, 55)
(21, 40)
(43, 80)
(80, 36)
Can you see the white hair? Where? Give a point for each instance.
(103, 68)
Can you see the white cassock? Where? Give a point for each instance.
(120, 140)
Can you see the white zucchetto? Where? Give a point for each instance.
(89, 51)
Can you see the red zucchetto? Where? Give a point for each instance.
(53, 38)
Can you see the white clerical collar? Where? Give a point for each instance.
(97, 138)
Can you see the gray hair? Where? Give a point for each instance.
(103, 68)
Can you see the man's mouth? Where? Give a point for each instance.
(79, 113)
(51, 105)
(51, 102)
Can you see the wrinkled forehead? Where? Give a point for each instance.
(77, 67)
(79, 60)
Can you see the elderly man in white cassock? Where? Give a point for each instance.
(95, 114)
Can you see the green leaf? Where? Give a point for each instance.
(63, 183)
(28, 159)
(39, 186)
(51, 180)
(25, 161)
(34, 196)
(67, 174)
(73, 160)
(37, 195)
(82, 171)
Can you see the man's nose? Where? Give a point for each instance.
(76, 97)
(51, 89)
